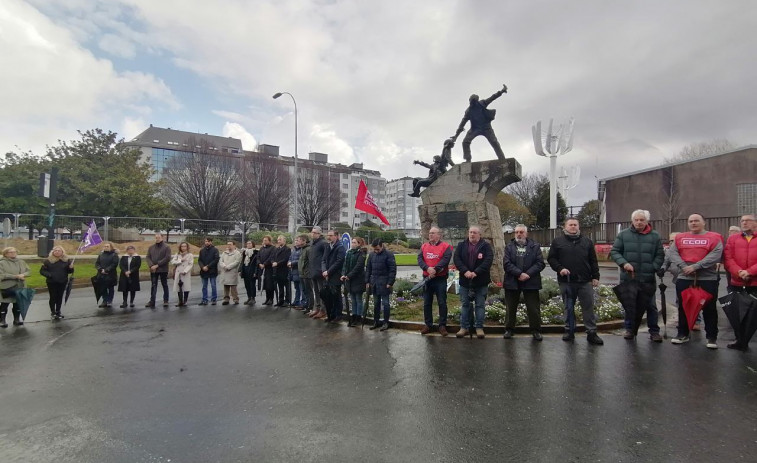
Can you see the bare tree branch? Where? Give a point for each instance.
(319, 199)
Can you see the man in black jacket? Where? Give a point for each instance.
(317, 249)
(523, 265)
(331, 267)
(574, 259)
(208, 262)
(380, 274)
(473, 259)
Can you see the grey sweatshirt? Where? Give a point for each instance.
(706, 269)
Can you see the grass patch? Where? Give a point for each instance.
(406, 259)
(83, 271)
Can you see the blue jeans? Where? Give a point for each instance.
(299, 296)
(357, 304)
(651, 318)
(435, 287)
(479, 294)
(213, 289)
(110, 291)
(378, 303)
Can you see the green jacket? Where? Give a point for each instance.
(303, 265)
(643, 250)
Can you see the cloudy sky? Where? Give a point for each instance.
(385, 82)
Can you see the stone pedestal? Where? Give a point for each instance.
(464, 196)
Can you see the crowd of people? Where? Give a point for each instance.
(316, 272)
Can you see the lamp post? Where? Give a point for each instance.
(296, 199)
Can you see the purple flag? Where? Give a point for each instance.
(91, 237)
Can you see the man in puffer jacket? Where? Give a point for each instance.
(741, 263)
(639, 254)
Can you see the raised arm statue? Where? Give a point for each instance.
(480, 117)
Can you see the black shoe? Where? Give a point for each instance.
(736, 346)
(568, 337)
(59, 316)
(247, 302)
(537, 336)
(508, 334)
(375, 325)
(122, 306)
(225, 303)
(150, 305)
(131, 306)
(203, 303)
(384, 327)
(351, 321)
(593, 338)
(165, 303)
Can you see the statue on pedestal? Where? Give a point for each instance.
(435, 170)
(480, 117)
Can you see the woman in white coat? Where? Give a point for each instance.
(228, 272)
(182, 273)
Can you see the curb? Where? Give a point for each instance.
(500, 329)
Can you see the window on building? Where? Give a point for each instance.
(346, 186)
(746, 198)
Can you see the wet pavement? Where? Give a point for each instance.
(235, 383)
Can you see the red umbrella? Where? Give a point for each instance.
(693, 299)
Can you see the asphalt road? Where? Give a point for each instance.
(232, 383)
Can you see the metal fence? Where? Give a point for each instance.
(70, 227)
(605, 233)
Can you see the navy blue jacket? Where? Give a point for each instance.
(380, 271)
(531, 263)
(481, 264)
(333, 260)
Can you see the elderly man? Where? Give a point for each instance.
(741, 263)
(574, 259)
(696, 254)
(523, 265)
(433, 259)
(158, 257)
(331, 270)
(473, 259)
(317, 249)
(639, 254)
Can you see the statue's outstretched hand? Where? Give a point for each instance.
(504, 88)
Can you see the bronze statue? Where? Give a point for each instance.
(435, 170)
(480, 118)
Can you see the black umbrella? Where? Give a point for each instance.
(741, 310)
(663, 308)
(69, 287)
(634, 296)
(366, 306)
(346, 293)
(419, 287)
(97, 285)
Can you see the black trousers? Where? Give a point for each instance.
(489, 134)
(154, 276)
(533, 307)
(282, 288)
(57, 291)
(269, 286)
(249, 285)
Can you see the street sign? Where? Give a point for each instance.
(346, 240)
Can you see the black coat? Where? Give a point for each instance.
(354, 270)
(333, 261)
(208, 257)
(380, 271)
(317, 250)
(531, 263)
(481, 264)
(280, 255)
(56, 272)
(131, 282)
(577, 254)
(250, 270)
(107, 261)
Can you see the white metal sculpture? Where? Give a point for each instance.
(568, 180)
(551, 144)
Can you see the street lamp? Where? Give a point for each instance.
(295, 155)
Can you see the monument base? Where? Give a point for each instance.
(463, 197)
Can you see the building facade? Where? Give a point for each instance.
(160, 145)
(719, 185)
(401, 209)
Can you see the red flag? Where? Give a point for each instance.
(364, 202)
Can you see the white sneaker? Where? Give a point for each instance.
(712, 344)
(680, 340)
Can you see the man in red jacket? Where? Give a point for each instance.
(741, 262)
(434, 259)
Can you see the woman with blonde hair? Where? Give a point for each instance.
(13, 273)
(182, 273)
(56, 269)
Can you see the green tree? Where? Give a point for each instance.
(98, 176)
(512, 212)
(590, 213)
(539, 207)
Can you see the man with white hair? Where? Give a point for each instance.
(639, 254)
(523, 265)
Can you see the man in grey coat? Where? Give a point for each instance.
(158, 257)
(317, 249)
